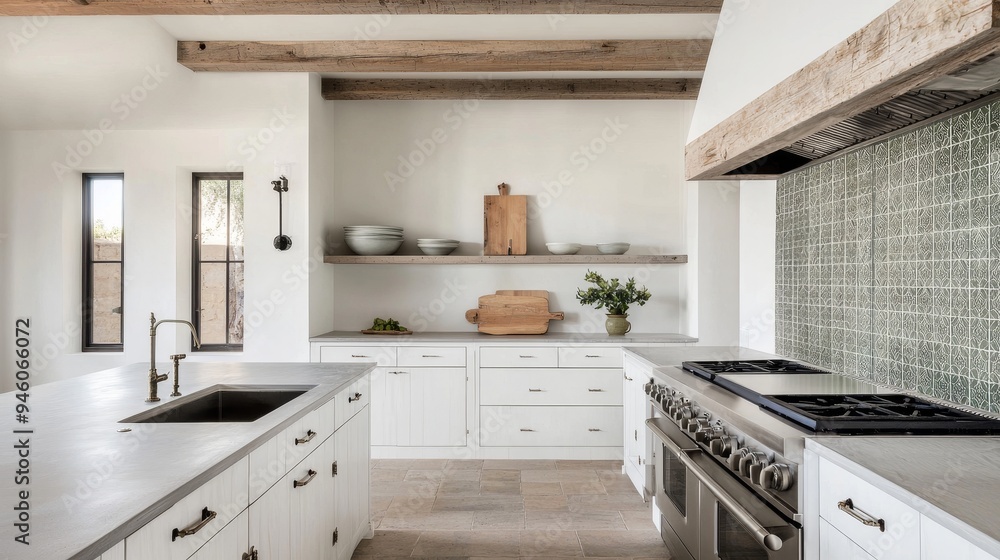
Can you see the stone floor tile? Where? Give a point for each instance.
(555, 502)
(440, 475)
(479, 503)
(619, 487)
(388, 475)
(550, 544)
(416, 488)
(590, 487)
(638, 520)
(402, 505)
(593, 465)
(509, 488)
(501, 475)
(459, 488)
(498, 521)
(637, 543)
(540, 488)
(518, 464)
(464, 464)
(434, 521)
(573, 521)
(389, 543)
(612, 502)
(391, 463)
(427, 464)
(380, 503)
(573, 475)
(467, 543)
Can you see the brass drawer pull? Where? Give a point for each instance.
(359, 356)
(527, 430)
(430, 356)
(591, 356)
(311, 474)
(399, 372)
(593, 429)
(596, 390)
(867, 519)
(536, 390)
(206, 518)
(356, 397)
(309, 437)
(525, 357)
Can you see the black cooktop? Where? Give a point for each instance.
(877, 414)
(709, 369)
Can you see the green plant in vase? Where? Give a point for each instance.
(615, 297)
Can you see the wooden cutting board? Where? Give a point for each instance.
(503, 313)
(505, 230)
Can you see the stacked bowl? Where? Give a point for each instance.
(437, 246)
(373, 240)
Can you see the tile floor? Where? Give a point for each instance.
(477, 509)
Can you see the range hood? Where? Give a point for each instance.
(917, 61)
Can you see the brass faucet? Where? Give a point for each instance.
(155, 378)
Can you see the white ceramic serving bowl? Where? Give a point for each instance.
(437, 250)
(437, 242)
(612, 248)
(373, 247)
(563, 248)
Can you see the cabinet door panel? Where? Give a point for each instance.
(230, 542)
(391, 405)
(310, 504)
(116, 552)
(936, 542)
(359, 484)
(437, 407)
(833, 545)
(269, 521)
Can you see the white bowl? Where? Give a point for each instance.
(612, 248)
(437, 241)
(371, 236)
(373, 247)
(437, 250)
(563, 248)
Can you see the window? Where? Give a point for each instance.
(103, 261)
(217, 271)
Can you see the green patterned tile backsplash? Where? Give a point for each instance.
(888, 261)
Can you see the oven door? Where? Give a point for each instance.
(676, 493)
(725, 520)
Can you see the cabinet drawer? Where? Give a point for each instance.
(550, 387)
(382, 355)
(518, 357)
(901, 539)
(351, 400)
(583, 357)
(833, 545)
(938, 542)
(551, 426)
(430, 357)
(308, 432)
(157, 541)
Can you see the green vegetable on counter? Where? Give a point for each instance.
(390, 324)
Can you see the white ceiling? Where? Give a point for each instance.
(70, 72)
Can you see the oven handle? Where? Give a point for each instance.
(766, 538)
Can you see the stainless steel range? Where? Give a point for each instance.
(729, 438)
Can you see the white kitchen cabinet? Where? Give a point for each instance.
(203, 513)
(531, 386)
(834, 545)
(230, 542)
(351, 479)
(938, 543)
(637, 443)
(312, 504)
(552, 426)
(268, 519)
(116, 552)
(437, 407)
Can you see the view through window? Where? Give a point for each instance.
(103, 261)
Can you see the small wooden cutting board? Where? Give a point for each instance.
(504, 313)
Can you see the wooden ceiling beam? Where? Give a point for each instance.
(444, 56)
(339, 89)
(343, 7)
(911, 43)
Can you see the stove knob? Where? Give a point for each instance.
(708, 435)
(724, 447)
(648, 387)
(737, 456)
(683, 412)
(750, 459)
(756, 469)
(776, 477)
(697, 425)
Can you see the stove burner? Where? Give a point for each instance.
(708, 370)
(892, 413)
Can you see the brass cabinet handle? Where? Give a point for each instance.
(596, 390)
(356, 397)
(536, 390)
(430, 356)
(309, 437)
(206, 518)
(311, 474)
(359, 356)
(525, 357)
(591, 356)
(593, 429)
(399, 372)
(527, 430)
(867, 519)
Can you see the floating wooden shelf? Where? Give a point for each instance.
(505, 259)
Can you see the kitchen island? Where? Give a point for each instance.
(90, 485)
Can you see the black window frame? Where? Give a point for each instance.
(88, 344)
(196, 261)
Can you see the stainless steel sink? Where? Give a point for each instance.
(223, 403)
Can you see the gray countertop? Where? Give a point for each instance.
(952, 480)
(663, 357)
(479, 338)
(91, 486)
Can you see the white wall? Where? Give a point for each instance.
(716, 262)
(322, 230)
(757, 248)
(760, 43)
(631, 191)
